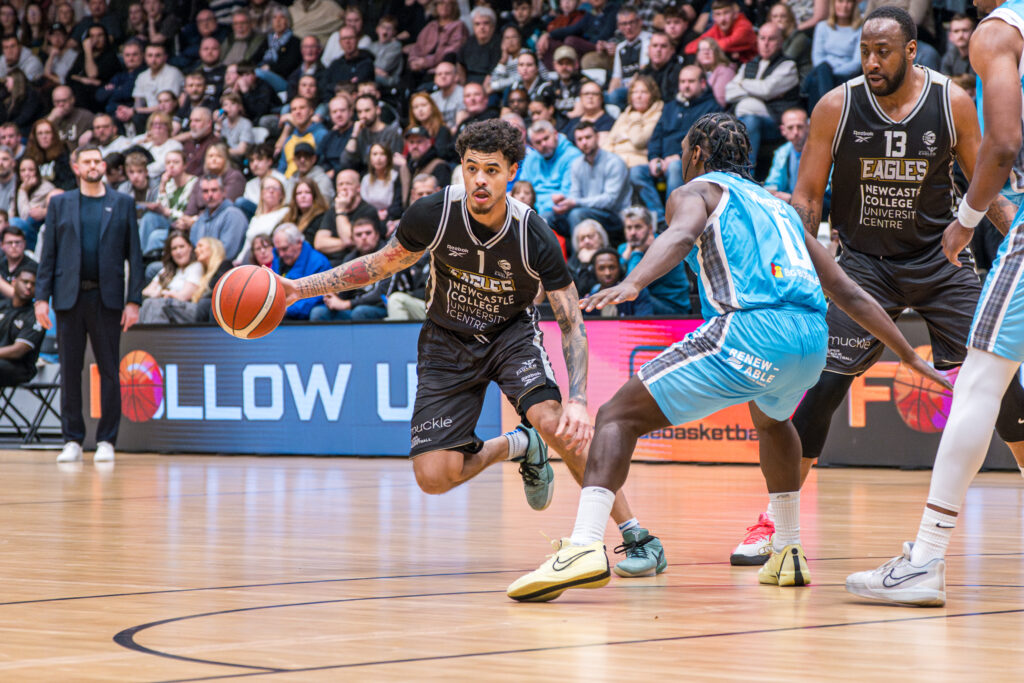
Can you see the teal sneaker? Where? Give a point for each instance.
(538, 477)
(645, 555)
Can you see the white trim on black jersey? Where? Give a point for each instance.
(522, 212)
(841, 128)
(469, 226)
(442, 224)
(947, 108)
(921, 99)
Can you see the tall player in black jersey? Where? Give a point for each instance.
(489, 254)
(889, 139)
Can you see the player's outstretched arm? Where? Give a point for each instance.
(863, 308)
(687, 215)
(352, 275)
(816, 160)
(995, 51)
(575, 426)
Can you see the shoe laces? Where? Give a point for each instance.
(763, 528)
(530, 472)
(635, 549)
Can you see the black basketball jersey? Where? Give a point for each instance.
(480, 280)
(892, 181)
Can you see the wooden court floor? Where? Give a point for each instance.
(292, 569)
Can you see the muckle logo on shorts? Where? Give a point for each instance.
(432, 423)
(142, 386)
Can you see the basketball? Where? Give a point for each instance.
(142, 386)
(248, 302)
(922, 404)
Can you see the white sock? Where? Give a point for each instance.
(592, 516)
(933, 536)
(631, 523)
(1021, 468)
(770, 511)
(786, 508)
(518, 442)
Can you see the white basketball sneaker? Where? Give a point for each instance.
(900, 582)
(104, 452)
(72, 452)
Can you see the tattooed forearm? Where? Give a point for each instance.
(566, 307)
(810, 214)
(359, 272)
(1001, 213)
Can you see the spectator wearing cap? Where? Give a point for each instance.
(731, 30)
(72, 123)
(306, 168)
(368, 130)
(61, 57)
(481, 52)
(476, 107)
(567, 84)
(599, 188)
(445, 34)
(630, 55)
(17, 56)
(422, 158)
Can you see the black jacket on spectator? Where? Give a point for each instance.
(480, 60)
(288, 58)
(329, 220)
(214, 80)
(119, 90)
(788, 100)
(298, 73)
(260, 100)
(59, 172)
(85, 95)
(675, 121)
(188, 56)
(345, 70)
(667, 77)
(434, 165)
(23, 113)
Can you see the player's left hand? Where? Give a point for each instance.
(575, 428)
(624, 291)
(954, 240)
(923, 368)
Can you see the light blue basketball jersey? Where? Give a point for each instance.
(752, 254)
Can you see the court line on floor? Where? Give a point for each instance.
(126, 638)
(275, 584)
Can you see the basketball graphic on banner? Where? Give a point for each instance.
(922, 404)
(142, 386)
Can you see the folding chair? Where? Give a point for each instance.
(10, 414)
(45, 392)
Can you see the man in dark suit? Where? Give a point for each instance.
(90, 233)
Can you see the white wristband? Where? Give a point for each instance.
(967, 216)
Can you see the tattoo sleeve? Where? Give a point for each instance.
(565, 304)
(809, 211)
(359, 272)
(1001, 213)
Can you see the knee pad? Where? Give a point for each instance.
(813, 416)
(1010, 423)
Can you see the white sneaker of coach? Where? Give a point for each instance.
(104, 452)
(72, 452)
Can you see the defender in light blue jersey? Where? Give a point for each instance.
(763, 344)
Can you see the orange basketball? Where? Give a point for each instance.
(248, 302)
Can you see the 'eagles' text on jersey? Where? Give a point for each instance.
(481, 280)
(896, 176)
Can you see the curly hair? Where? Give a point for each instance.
(724, 142)
(490, 136)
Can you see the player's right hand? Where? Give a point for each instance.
(923, 368)
(954, 240)
(291, 292)
(624, 291)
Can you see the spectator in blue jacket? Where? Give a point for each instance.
(548, 170)
(295, 258)
(670, 294)
(693, 100)
(781, 180)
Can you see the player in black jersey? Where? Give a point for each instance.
(489, 255)
(890, 138)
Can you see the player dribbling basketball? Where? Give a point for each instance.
(489, 254)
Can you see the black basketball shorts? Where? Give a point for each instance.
(454, 371)
(942, 294)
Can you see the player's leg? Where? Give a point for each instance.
(918, 575)
(1010, 421)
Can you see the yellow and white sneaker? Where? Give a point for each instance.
(786, 567)
(571, 566)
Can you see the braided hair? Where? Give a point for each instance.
(724, 142)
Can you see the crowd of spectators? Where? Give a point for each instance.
(295, 135)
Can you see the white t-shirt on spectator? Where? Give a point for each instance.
(190, 274)
(148, 86)
(238, 133)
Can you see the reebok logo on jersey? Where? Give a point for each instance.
(558, 565)
(890, 580)
(454, 251)
(863, 135)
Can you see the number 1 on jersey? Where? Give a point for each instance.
(480, 253)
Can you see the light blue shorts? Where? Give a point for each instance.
(769, 356)
(998, 325)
